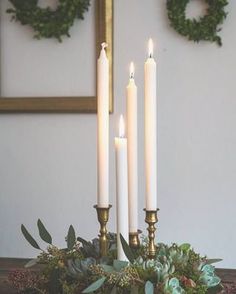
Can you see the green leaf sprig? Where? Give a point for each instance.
(176, 269)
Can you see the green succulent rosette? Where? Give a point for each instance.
(78, 268)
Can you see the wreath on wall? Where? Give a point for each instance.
(46, 22)
(205, 28)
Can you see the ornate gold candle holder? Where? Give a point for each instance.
(134, 241)
(151, 220)
(103, 216)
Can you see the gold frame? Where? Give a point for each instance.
(104, 33)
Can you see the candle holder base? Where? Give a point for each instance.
(151, 219)
(103, 217)
(134, 241)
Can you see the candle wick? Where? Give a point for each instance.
(150, 55)
(104, 45)
(132, 75)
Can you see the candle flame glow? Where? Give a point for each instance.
(121, 127)
(131, 70)
(150, 48)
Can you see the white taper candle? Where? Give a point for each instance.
(132, 135)
(121, 190)
(150, 130)
(103, 128)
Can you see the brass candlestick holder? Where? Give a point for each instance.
(103, 216)
(134, 241)
(151, 220)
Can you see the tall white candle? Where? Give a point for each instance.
(150, 130)
(103, 128)
(131, 108)
(121, 189)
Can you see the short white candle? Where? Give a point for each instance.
(121, 189)
(150, 130)
(103, 128)
(132, 134)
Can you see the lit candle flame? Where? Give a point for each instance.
(150, 48)
(121, 127)
(131, 70)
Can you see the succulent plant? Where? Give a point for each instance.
(208, 276)
(163, 270)
(78, 268)
(173, 286)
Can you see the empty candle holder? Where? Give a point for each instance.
(134, 241)
(103, 217)
(151, 220)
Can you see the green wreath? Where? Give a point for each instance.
(206, 28)
(48, 23)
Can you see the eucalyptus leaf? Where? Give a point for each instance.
(43, 233)
(72, 268)
(149, 288)
(107, 268)
(31, 263)
(82, 241)
(29, 238)
(213, 260)
(119, 264)
(54, 282)
(71, 239)
(88, 248)
(127, 250)
(94, 286)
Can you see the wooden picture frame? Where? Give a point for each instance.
(88, 104)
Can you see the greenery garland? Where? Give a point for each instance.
(78, 268)
(206, 28)
(48, 23)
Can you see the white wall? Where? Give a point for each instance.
(48, 162)
(47, 67)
